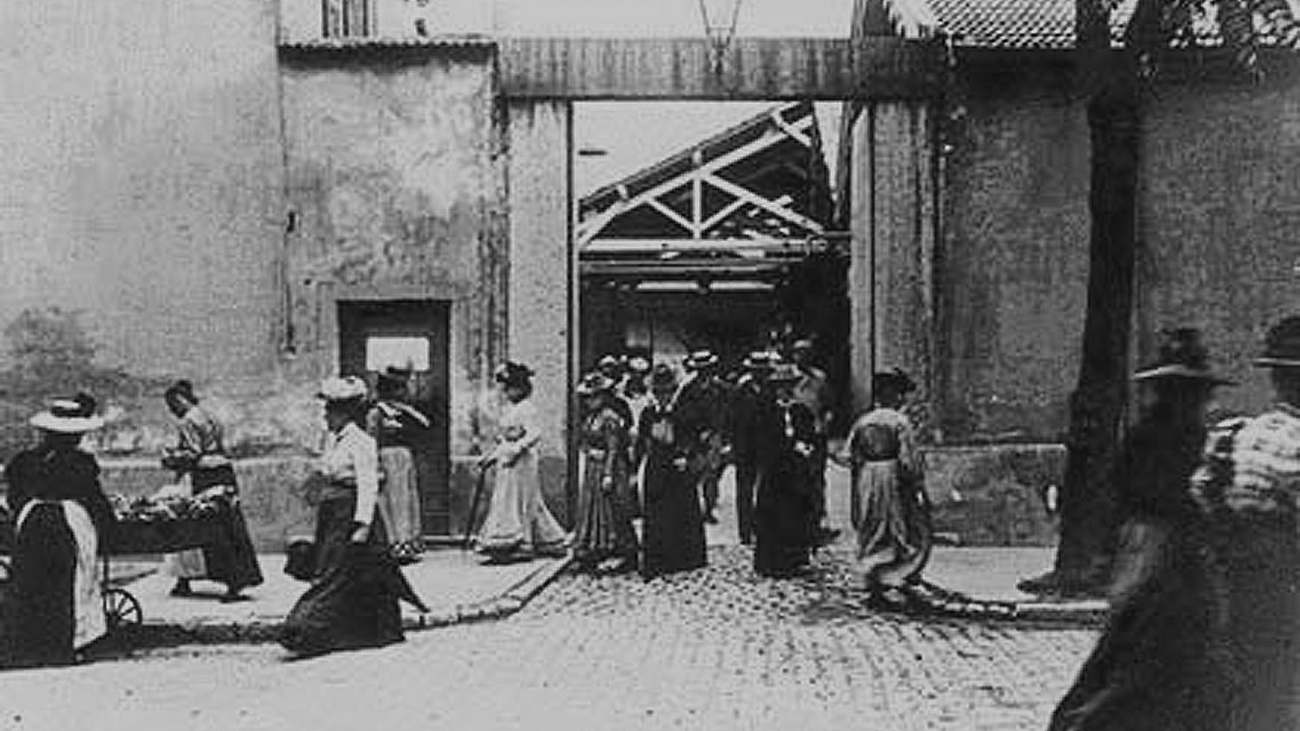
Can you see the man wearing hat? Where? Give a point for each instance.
(746, 400)
(1248, 486)
(701, 406)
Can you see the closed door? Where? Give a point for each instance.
(408, 333)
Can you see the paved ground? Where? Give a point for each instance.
(447, 579)
(713, 649)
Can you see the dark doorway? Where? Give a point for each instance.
(377, 334)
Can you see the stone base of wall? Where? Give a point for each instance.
(995, 495)
(983, 496)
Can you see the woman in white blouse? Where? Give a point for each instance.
(518, 524)
(353, 598)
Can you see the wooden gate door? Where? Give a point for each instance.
(376, 334)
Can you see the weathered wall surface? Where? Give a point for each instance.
(143, 186)
(1219, 219)
(892, 259)
(542, 271)
(395, 188)
(1011, 266)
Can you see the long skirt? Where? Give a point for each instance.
(783, 520)
(54, 605)
(231, 559)
(1159, 664)
(353, 599)
(672, 533)
(604, 527)
(399, 502)
(893, 525)
(518, 523)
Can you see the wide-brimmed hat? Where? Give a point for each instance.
(511, 373)
(68, 416)
(802, 344)
(610, 365)
(1282, 345)
(699, 360)
(761, 360)
(337, 389)
(1182, 356)
(637, 364)
(892, 380)
(662, 376)
(594, 383)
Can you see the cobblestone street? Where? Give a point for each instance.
(714, 649)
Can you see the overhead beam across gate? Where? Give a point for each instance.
(767, 69)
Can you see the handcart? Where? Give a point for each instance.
(141, 537)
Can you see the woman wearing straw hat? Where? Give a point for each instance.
(518, 523)
(62, 519)
(353, 600)
(1154, 667)
(604, 526)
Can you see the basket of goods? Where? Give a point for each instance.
(167, 521)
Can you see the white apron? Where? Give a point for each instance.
(87, 603)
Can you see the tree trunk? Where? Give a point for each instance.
(1109, 79)
(1097, 404)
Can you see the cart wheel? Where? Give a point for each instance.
(121, 609)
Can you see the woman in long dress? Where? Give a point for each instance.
(200, 456)
(62, 521)
(398, 427)
(786, 501)
(604, 527)
(889, 506)
(1153, 668)
(353, 599)
(673, 523)
(518, 524)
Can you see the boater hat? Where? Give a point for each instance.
(1282, 345)
(68, 416)
(594, 383)
(345, 388)
(761, 360)
(1182, 356)
(699, 360)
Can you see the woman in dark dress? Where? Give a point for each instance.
(353, 600)
(1155, 667)
(604, 528)
(786, 496)
(673, 523)
(62, 520)
(201, 455)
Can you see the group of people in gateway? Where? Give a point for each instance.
(653, 442)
